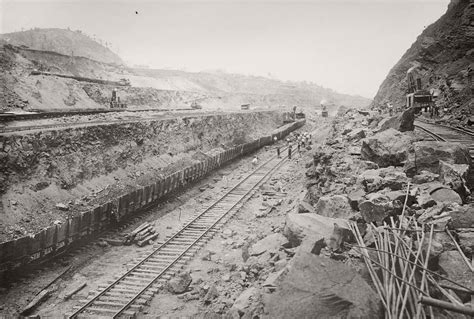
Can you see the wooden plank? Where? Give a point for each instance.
(42, 296)
(74, 291)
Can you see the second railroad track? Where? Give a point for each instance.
(446, 133)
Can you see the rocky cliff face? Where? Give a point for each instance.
(445, 51)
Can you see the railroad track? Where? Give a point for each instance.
(446, 133)
(8, 117)
(126, 296)
(12, 129)
(158, 114)
(62, 125)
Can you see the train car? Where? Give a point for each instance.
(324, 108)
(245, 107)
(324, 111)
(195, 105)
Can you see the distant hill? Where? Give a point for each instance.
(62, 41)
(49, 51)
(445, 51)
(221, 83)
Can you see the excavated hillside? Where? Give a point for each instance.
(445, 51)
(22, 88)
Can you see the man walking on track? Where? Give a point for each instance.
(275, 139)
(289, 151)
(255, 162)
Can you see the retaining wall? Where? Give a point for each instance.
(57, 238)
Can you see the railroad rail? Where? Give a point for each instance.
(14, 129)
(162, 113)
(126, 296)
(446, 133)
(37, 115)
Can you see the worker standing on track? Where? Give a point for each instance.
(275, 139)
(255, 162)
(289, 150)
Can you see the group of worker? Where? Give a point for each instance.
(432, 109)
(302, 140)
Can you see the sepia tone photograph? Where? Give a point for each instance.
(236, 159)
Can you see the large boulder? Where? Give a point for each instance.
(356, 134)
(376, 179)
(455, 176)
(429, 194)
(426, 155)
(377, 207)
(335, 206)
(180, 283)
(453, 265)
(387, 148)
(305, 207)
(355, 197)
(270, 243)
(401, 196)
(424, 177)
(445, 195)
(243, 302)
(462, 217)
(402, 122)
(299, 226)
(466, 240)
(374, 119)
(314, 286)
(430, 213)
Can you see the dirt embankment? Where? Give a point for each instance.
(83, 167)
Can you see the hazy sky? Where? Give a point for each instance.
(348, 46)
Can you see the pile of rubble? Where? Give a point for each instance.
(394, 178)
